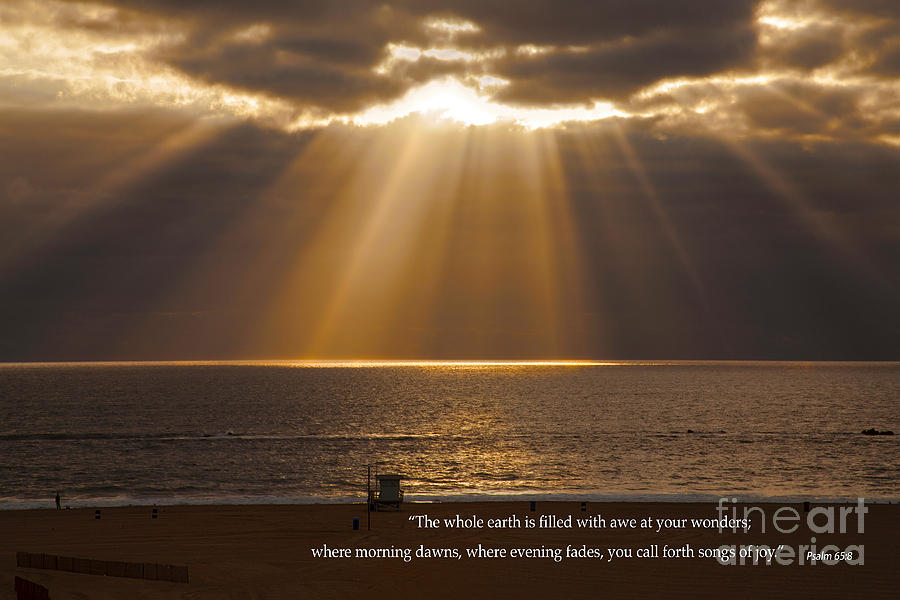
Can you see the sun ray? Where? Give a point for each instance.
(650, 194)
(328, 153)
(308, 250)
(428, 247)
(399, 211)
(371, 247)
(109, 190)
(822, 224)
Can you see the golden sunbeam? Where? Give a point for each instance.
(370, 263)
(110, 190)
(430, 239)
(301, 260)
(540, 256)
(611, 270)
(474, 250)
(420, 213)
(272, 215)
(570, 269)
(650, 195)
(824, 225)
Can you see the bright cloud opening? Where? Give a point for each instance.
(450, 100)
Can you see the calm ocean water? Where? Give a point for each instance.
(172, 433)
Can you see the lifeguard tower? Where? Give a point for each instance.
(387, 493)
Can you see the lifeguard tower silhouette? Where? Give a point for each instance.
(387, 493)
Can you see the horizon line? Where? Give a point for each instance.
(377, 362)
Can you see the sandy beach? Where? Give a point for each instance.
(265, 551)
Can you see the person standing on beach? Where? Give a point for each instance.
(57, 500)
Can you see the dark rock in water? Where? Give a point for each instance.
(690, 431)
(873, 431)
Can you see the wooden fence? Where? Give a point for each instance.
(111, 568)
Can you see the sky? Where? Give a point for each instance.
(623, 179)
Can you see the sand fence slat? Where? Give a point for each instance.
(111, 568)
(30, 590)
(81, 565)
(115, 568)
(65, 563)
(134, 570)
(181, 574)
(165, 572)
(98, 567)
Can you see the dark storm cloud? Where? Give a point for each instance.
(316, 53)
(323, 53)
(427, 68)
(337, 51)
(296, 70)
(536, 21)
(887, 64)
(320, 56)
(617, 70)
(586, 22)
(877, 8)
(808, 48)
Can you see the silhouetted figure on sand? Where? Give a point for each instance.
(57, 500)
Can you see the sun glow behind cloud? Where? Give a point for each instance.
(93, 68)
(450, 100)
(77, 55)
(451, 26)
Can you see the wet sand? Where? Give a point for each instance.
(264, 552)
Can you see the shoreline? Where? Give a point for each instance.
(427, 499)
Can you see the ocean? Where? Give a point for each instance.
(289, 432)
